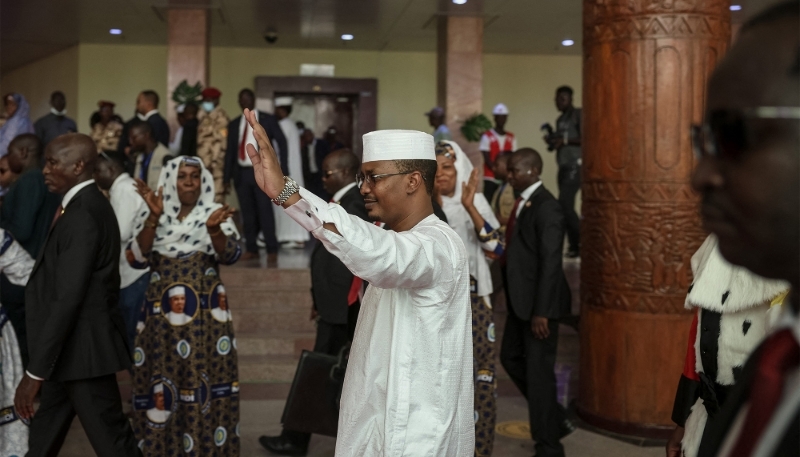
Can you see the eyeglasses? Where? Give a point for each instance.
(361, 179)
(327, 174)
(726, 133)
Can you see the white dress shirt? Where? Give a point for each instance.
(312, 157)
(145, 117)
(526, 194)
(74, 190)
(127, 203)
(251, 139)
(408, 390)
(337, 197)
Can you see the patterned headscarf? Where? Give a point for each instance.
(176, 238)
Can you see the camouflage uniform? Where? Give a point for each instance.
(106, 137)
(212, 134)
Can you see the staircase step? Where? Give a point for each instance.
(270, 278)
(274, 368)
(266, 321)
(274, 343)
(264, 298)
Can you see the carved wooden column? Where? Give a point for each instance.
(646, 63)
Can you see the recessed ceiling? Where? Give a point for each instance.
(32, 29)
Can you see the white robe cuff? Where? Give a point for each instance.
(310, 211)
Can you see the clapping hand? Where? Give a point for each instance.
(266, 167)
(469, 188)
(154, 200)
(218, 217)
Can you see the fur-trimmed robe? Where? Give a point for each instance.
(734, 309)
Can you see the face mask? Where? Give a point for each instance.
(58, 113)
(208, 106)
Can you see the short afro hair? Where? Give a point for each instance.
(427, 168)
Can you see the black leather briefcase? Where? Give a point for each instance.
(313, 403)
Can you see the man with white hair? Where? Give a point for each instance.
(158, 413)
(177, 304)
(409, 383)
(221, 313)
(493, 143)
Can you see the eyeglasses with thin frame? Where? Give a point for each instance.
(726, 134)
(361, 179)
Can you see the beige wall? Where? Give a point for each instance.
(37, 80)
(406, 82)
(118, 74)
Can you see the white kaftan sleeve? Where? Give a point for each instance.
(385, 258)
(15, 262)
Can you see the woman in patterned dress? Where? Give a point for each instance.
(470, 215)
(185, 376)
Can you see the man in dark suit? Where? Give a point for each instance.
(747, 173)
(146, 110)
(27, 212)
(333, 287)
(76, 334)
(314, 152)
(254, 204)
(539, 296)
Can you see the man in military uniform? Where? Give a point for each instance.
(212, 133)
(107, 131)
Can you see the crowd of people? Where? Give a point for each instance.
(129, 232)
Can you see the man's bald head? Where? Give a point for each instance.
(339, 169)
(69, 160)
(524, 168)
(24, 153)
(751, 188)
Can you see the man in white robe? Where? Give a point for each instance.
(158, 413)
(221, 313)
(408, 390)
(288, 232)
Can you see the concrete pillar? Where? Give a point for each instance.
(187, 55)
(646, 64)
(459, 63)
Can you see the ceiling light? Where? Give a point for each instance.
(736, 7)
(459, 2)
(567, 43)
(115, 31)
(347, 37)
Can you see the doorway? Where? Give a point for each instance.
(350, 104)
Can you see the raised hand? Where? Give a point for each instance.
(154, 200)
(266, 167)
(218, 217)
(469, 188)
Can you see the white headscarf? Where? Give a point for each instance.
(176, 238)
(459, 220)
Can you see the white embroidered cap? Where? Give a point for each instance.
(158, 388)
(283, 101)
(500, 109)
(177, 290)
(220, 289)
(398, 145)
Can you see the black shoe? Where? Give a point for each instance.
(573, 254)
(566, 428)
(281, 446)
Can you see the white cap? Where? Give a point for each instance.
(158, 388)
(398, 145)
(500, 109)
(283, 101)
(177, 290)
(220, 289)
(180, 108)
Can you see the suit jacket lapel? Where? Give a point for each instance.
(75, 198)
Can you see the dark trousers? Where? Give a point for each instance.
(569, 183)
(131, 299)
(12, 297)
(256, 210)
(531, 365)
(97, 403)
